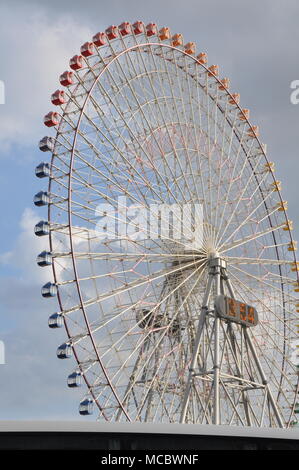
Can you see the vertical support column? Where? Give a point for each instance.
(216, 383)
(200, 328)
(216, 414)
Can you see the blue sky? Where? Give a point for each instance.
(255, 44)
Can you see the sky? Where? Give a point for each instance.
(256, 45)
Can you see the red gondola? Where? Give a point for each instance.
(76, 62)
(99, 39)
(58, 97)
(51, 119)
(66, 78)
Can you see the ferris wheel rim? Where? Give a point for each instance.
(69, 202)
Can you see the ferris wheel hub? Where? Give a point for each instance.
(212, 254)
(215, 260)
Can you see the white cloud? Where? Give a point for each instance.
(34, 52)
(34, 380)
(25, 250)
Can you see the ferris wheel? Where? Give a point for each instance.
(172, 254)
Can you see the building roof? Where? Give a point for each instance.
(145, 428)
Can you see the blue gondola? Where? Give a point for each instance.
(42, 170)
(49, 290)
(64, 351)
(74, 379)
(42, 198)
(42, 228)
(55, 320)
(44, 258)
(86, 407)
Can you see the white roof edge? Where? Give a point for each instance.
(154, 428)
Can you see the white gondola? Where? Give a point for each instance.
(46, 144)
(42, 198)
(86, 407)
(55, 320)
(44, 259)
(64, 351)
(74, 379)
(49, 290)
(42, 228)
(42, 170)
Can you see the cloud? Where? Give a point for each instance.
(33, 379)
(25, 250)
(35, 51)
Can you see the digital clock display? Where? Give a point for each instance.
(236, 311)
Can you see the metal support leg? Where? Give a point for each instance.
(244, 395)
(200, 328)
(264, 379)
(216, 382)
(219, 275)
(259, 366)
(216, 414)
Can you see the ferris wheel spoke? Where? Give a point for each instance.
(151, 311)
(207, 212)
(174, 100)
(184, 136)
(133, 168)
(232, 179)
(247, 219)
(221, 164)
(124, 256)
(239, 199)
(143, 281)
(262, 281)
(177, 218)
(143, 115)
(162, 336)
(104, 196)
(232, 260)
(111, 143)
(226, 247)
(166, 125)
(261, 302)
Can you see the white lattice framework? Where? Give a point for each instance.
(147, 120)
